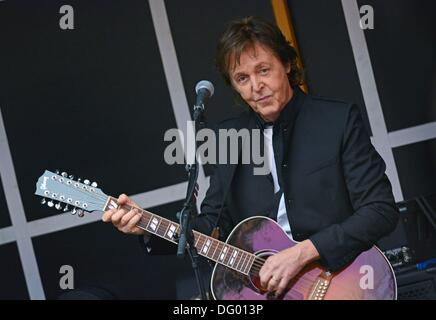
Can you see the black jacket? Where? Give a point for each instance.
(336, 191)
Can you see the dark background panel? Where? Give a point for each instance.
(402, 48)
(12, 282)
(92, 101)
(108, 262)
(416, 165)
(326, 51)
(103, 258)
(5, 220)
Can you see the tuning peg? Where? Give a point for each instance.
(87, 182)
(80, 213)
(58, 206)
(43, 201)
(80, 179)
(64, 174)
(57, 171)
(66, 208)
(71, 177)
(74, 211)
(94, 184)
(50, 203)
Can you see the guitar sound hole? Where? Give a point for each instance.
(254, 272)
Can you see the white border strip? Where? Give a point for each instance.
(370, 93)
(412, 135)
(18, 218)
(174, 79)
(7, 235)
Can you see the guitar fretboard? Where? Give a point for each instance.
(213, 249)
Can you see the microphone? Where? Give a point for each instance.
(204, 90)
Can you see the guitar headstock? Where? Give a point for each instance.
(59, 189)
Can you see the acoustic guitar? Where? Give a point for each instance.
(239, 259)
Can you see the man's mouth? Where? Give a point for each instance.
(263, 98)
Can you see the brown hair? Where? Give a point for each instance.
(243, 33)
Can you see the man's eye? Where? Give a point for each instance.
(242, 79)
(264, 71)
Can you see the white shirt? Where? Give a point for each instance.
(282, 217)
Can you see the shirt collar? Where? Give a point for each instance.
(289, 112)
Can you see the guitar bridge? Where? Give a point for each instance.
(320, 286)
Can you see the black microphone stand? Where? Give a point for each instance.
(189, 210)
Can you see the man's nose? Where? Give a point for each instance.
(256, 83)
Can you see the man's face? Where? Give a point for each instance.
(261, 80)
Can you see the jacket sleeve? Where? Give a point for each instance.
(369, 190)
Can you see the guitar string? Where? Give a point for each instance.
(215, 244)
(300, 283)
(259, 261)
(297, 287)
(85, 192)
(96, 196)
(303, 279)
(256, 265)
(256, 268)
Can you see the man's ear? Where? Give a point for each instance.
(288, 67)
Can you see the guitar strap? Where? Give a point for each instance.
(216, 230)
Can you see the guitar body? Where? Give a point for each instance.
(368, 277)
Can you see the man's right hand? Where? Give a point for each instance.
(124, 220)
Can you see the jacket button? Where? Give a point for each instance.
(285, 165)
(290, 202)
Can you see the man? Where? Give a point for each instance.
(327, 187)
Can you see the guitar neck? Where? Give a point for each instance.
(206, 246)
